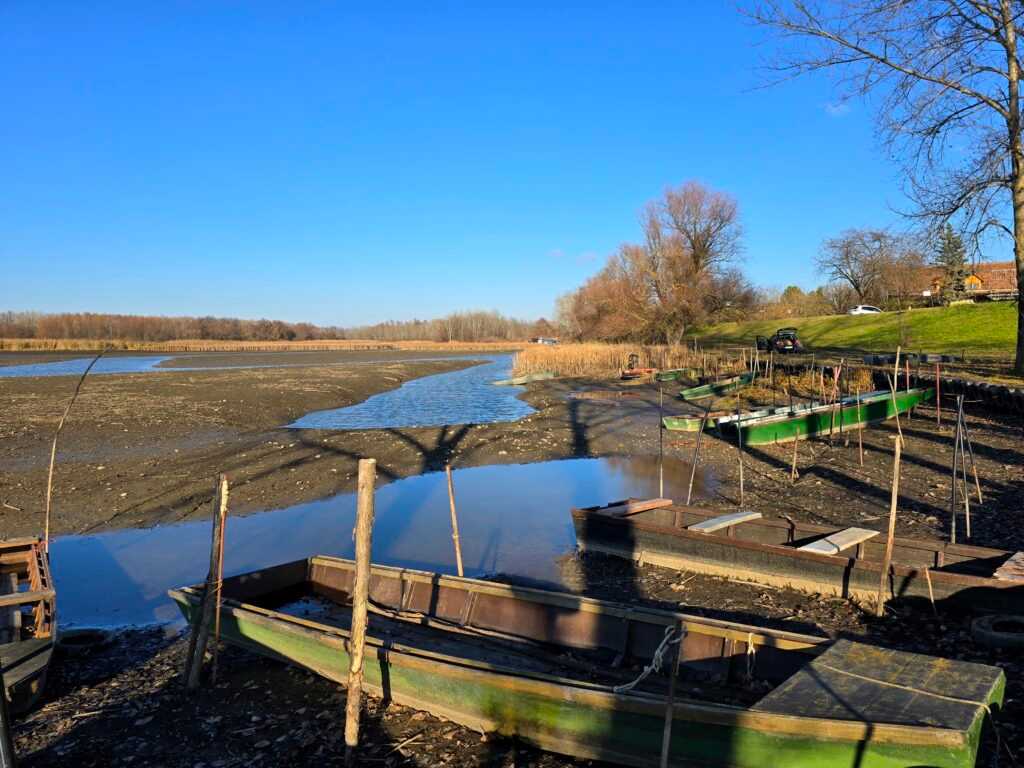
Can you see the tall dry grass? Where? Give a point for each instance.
(608, 360)
(204, 345)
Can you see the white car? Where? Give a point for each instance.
(864, 309)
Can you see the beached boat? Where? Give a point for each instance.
(675, 374)
(28, 620)
(717, 418)
(779, 552)
(525, 379)
(566, 672)
(717, 387)
(847, 414)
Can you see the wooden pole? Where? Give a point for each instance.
(895, 407)
(963, 470)
(974, 468)
(53, 450)
(860, 431)
(739, 450)
(661, 443)
(887, 560)
(201, 628)
(360, 590)
(455, 519)
(666, 735)
(696, 453)
(952, 494)
(222, 521)
(938, 398)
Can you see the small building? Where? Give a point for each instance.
(992, 281)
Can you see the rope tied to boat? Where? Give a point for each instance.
(671, 638)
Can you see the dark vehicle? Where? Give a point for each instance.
(784, 342)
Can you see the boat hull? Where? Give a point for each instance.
(826, 420)
(716, 388)
(586, 720)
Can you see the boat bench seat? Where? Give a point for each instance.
(1012, 569)
(723, 521)
(835, 543)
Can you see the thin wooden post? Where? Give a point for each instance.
(222, 521)
(53, 450)
(887, 560)
(201, 628)
(895, 407)
(938, 398)
(696, 452)
(666, 735)
(860, 431)
(455, 519)
(661, 443)
(963, 469)
(739, 450)
(970, 449)
(360, 590)
(952, 494)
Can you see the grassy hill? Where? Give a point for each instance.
(988, 329)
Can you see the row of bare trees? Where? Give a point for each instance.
(457, 326)
(98, 326)
(683, 272)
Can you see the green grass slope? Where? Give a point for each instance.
(989, 328)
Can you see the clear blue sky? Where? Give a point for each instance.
(346, 163)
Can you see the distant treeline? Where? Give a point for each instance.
(460, 326)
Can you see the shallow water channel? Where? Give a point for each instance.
(514, 519)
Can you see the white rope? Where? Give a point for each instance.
(656, 661)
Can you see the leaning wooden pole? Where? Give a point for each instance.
(201, 628)
(887, 559)
(952, 494)
(696, 453)
(360, 592)
(222, 521)
(455, 519)
(970, 450)
(963, 469)
(670, 701)
(53, 451)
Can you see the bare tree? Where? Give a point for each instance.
(858, 258)
(948, 76)
(708, 223)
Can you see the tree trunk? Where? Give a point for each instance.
(1017, 167)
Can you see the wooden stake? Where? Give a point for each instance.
(360, 590)
(938, 398)
(895, 408)
(666, 736)
(974, 468)
(739, 450)
(661, 443)
(53, 451)
(201, 628)
(952, 494)
(455, 519)
(963, 469)
(887, 560)
(696, 452)
(222, 521)
(860, 431)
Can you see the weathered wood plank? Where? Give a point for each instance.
(1012, 569)
(724, 521)
(634, 507)
(835, 543)
(23, 598)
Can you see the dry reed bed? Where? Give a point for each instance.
(601, 361)
(205, 345)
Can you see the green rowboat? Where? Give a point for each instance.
(675, 374)
(844, 415)
(717, 387)
(565, 672)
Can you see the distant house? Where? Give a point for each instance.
(994, 281)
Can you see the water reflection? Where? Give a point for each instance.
(460, 397)
(133, 364)
(513, 519)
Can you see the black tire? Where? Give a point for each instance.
(1001, 631)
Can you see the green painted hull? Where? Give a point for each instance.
(826, 419)
(717, 388)
(675, 374)
(687, 423)
(579, 719)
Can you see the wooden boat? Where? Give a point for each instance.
(28, 620)
(717, 418)
(827, 560)
(629, 374)
(841, 416)
(605, 394)
(717, 387)
(675, 374)
(564, 672)
(525, 379)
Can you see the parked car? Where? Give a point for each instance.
(864, 309)
(784, 341)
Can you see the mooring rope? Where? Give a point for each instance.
(656, 662)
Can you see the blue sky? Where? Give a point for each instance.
(347, 163)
